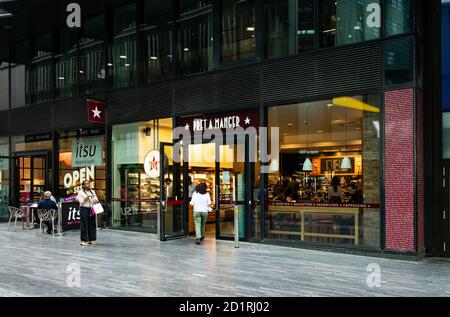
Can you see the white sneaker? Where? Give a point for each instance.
(83, 244)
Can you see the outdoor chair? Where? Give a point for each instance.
(47, 215)
(15, 213)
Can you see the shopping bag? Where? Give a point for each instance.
(98, 209)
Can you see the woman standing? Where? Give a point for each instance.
(201, 201)
(87, 199)
(335, 191)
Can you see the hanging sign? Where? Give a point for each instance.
(87, 152)
(152, 164)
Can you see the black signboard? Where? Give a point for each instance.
(38, 137)
(70, 216)
(82, 133)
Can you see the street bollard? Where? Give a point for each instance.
(59, 233)
(236, 227)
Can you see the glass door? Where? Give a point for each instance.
(4, 187)
(234, 189)
(173, 216)
(32, 177)
(444, 230)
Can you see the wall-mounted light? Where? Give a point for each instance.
(148, 131)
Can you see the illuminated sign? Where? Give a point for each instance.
(152, 164)
(76, 178)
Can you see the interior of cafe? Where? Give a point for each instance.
(324, 182)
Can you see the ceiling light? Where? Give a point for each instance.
(251, 29)
(153, 58)
(110, 64)
(123, 57)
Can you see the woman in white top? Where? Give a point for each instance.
(201, 201)
(87, 198)
(335, 191)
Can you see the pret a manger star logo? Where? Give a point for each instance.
(96, 111)
(153, 165)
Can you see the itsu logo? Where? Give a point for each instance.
(73, 215)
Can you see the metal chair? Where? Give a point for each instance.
(47, 215)
(15, 213)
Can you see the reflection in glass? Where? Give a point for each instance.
(238, 30)
(347, 21)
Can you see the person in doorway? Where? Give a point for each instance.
(168, 187)
(48, 204)
(335, 191)
(201, 201)
(87, 199)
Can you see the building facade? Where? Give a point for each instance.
(348, 93)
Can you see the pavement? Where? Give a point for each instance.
(128, 264)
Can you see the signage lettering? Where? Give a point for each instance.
(87, 152)
(74, 18)
(76, 178)
(374, 18)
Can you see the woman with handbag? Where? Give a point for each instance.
(87, 199)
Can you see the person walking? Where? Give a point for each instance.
(87, 199)
(201, 201)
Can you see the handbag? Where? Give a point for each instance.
(98, 208)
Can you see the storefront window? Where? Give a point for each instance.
(136, 195)
(347, 21)
(195, 42)
(399, 61)
(238, 30)
(290, 27)
(82, 157)
(324, 184)
(4, 178)
(399, 16)
(124, 47)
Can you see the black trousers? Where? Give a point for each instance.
(88, 226)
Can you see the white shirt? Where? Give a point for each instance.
(201, 202)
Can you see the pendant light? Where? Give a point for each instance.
(346, 163)
(307, 165)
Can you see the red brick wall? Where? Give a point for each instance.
(420, 161)
(399, 169)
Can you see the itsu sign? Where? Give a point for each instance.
(152, 164)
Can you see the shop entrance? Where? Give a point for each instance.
(31, 177)
(228, 173)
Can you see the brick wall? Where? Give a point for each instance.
(420, 161)
(399, 169)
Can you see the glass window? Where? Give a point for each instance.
(4, 178)
(92, 60)
(398, 16)
(135, 194)
(290, 27)
(324, 182)
(399, 61)
(157, 40)
(18, 85)
(195, 38)
(4, 86)
(446, 135)
(238, 30)
(348, 21)
(41, 70)
(76, 166)
(445, 49)
(124, 64)
(66, 65)
(192, 5)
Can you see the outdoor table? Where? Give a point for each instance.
(28, 213)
